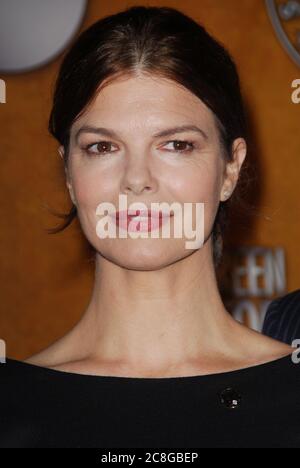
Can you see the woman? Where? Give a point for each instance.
(148, 105)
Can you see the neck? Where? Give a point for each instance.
(155, 320)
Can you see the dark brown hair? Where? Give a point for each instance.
(161, 41)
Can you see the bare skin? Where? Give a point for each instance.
(155, 309)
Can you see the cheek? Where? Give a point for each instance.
(200, 185)
(197, 186)
(91, 188)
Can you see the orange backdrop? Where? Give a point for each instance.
(46, 280)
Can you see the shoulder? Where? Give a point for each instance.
(16, 390)
(283, 382)
(290, 300)
(272, 387)
(9, 368)
(22, 376)
(279, 381)
(287, 298)
(27, 390)
(282, 319)
(12, 372)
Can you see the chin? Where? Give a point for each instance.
(142, 258)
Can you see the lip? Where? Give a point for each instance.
(144, 213)
(152, 220)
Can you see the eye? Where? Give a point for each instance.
(102, 147)
(180, 146)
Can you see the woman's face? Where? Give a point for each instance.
(135, 162)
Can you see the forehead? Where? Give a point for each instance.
(146, 101)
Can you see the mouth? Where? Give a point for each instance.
(141, 220)
(142, 214)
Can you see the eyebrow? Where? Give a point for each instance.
(164, 133)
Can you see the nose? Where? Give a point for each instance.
(138, 179)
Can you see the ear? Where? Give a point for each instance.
(232, 168)
(69, 185)
(61, 151)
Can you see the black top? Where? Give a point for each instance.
(254, 407)
(282, 320)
